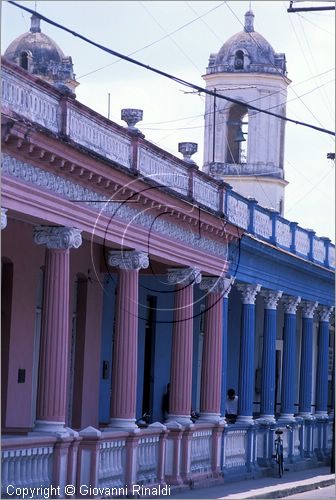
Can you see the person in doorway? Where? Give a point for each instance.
(165, 403)
(231, 406)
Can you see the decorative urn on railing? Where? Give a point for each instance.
(132, 117)
(188, 149)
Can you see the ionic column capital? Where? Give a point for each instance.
(308, 308)
(217, 285)
(184, 276)
(57, 237)
(271, 298)
(3, 218)
(128, 260)
(290, 304)
(248, 292)
(324, 313)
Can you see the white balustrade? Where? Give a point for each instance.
(235, 448)
(332, 256)
(163, 171)
(97, 136)
(148, 457)
(27, 467)
(112, 462)
(302, 241)
(25, 98)
(319, 250)
(283, 234)
(238, 211)
(206, 193)
(296, 440)
(201, 446)
(262, 224)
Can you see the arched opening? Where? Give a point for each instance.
(237, 135)
(239, 60)
(24, 60)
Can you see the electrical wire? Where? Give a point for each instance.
(167, 75)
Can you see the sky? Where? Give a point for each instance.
(178, 37)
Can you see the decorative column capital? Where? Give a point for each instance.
(184, 276)
(128, 260)
(3, 217)
(217, 285)
(57, 237)
(308, 308)
(290, 304)
(271, 298)
(324, 312)
(248, 292)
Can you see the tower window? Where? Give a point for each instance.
(24, 60)
(239, 60)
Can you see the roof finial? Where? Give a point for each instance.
(35, 24)
(249, 17)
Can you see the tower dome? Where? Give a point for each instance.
(37, 53)
(241, 146)
(247, 51)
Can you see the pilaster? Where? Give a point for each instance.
(181, 357)
(246, 362)
(52, 378)
(125, 350)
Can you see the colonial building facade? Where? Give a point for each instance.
(125, 268)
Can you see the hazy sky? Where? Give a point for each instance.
(144, 29)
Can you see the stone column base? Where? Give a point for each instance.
(126, 424)
(51, 428)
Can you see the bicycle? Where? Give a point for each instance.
(279, 450)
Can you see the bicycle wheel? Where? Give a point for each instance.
(281, 465)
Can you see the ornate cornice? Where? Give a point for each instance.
(128, 260)
(184, 276)
(290, 304)
(324, 313)
(271, 298)
(3, 218)
(57, 237)
(248, 292)
(308, 308)
(217, 285)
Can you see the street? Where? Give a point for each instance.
(327, 493)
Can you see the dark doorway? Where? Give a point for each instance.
(147, 396)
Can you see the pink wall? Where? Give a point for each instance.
(27, 258)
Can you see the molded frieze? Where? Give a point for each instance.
(290, 304)
(102, 139)
(27, 100)
(237, 211)
(302, 241)
(205, 193)
(283, 234)
(57, 237)
(262, 224)
(60, 186)
(129, 260)
(271, 298)
(163, 171)
(319, 250)
(184, 276)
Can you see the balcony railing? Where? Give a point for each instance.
(44, 105)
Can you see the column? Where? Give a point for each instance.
(52, 377)
(306, 366)
(3, 218)
(125, 347)
(246, 362)
(268, 355)
(212, 350)
(181, 359)
(289, 361)
(227, 288)
(322, 361)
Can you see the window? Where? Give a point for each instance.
(24, 60)
(239, 60)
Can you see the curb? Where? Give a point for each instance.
(295, 489)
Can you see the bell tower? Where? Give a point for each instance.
(243, 147)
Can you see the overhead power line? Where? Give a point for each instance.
(167, 75)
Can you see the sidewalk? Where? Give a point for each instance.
(265, 487)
